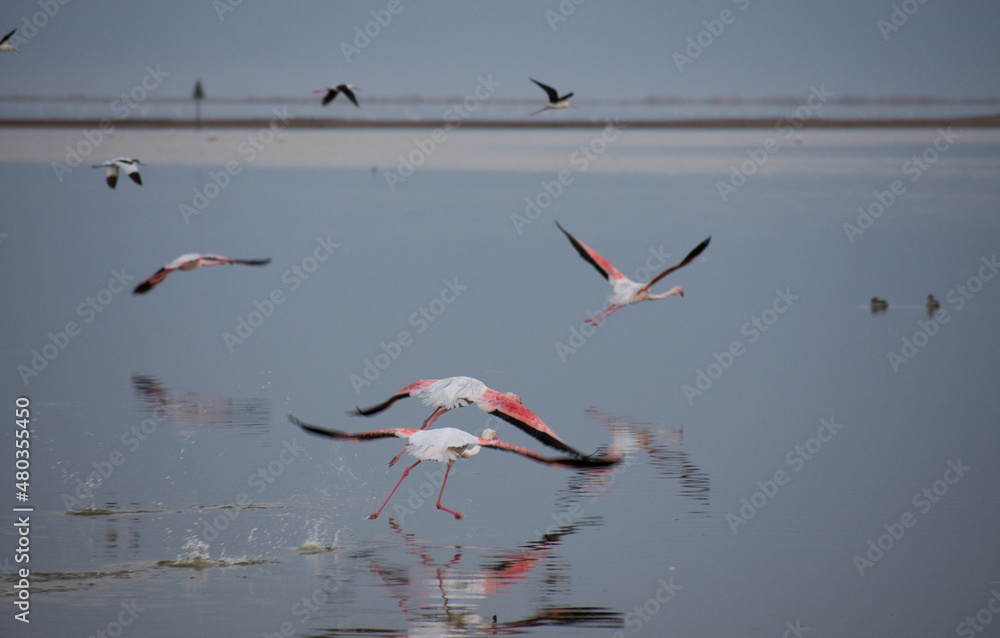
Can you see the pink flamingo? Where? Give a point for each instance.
(447, 445)
(627, 291)
(190, 262)
(456, 392)
(555, 101)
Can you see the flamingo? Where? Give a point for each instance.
(331, 92)
(5, 45)
(130, 165)
(456, 392)
(447, 445)
(627, 291)
(190, 262)
(555, 102)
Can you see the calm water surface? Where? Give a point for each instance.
(792, 460)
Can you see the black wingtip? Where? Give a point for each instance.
(142, 288)
(545, 438)
(698, 249)
(375, 409)
(309, 427)
(583, 252)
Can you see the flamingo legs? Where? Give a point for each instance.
(439, 505)
(433, 417)
(396, 458)
(405, 472)
(604, 314)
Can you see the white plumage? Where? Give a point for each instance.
(456, 392)
(130, 165)
(453, 392)
(445, 445)
(624, 290)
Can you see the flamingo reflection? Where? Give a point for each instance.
(197, 409)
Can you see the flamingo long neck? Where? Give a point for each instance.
(672, 291)
(471, 451)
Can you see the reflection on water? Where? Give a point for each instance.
(450, 595)
(189, 467)
(455, 590)
(198, 410)
(430, 587)
(631, 439)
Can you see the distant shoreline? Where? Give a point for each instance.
(983, 121)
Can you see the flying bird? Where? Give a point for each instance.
(130, 165)
(627, 291)
(190, 262)
(331, 92)
(5, 45)
(555, 102)
(447, 445)
(456, 392)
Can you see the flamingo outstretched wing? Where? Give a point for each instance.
(580, 462)
(687, 260)
(218, 260)
(502, 406)
(177, 264)
(557, 461)
(411, 390)
(489, 400)
(354, 436)
(592, 257)
(153, 281)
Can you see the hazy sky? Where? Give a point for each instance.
(598, 49)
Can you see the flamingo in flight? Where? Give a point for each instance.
(627, 291)
(190, 262)
(331, 92)
(447, 445)
(555, 102)
(456, 392)
(130, 165)
(5, 44)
